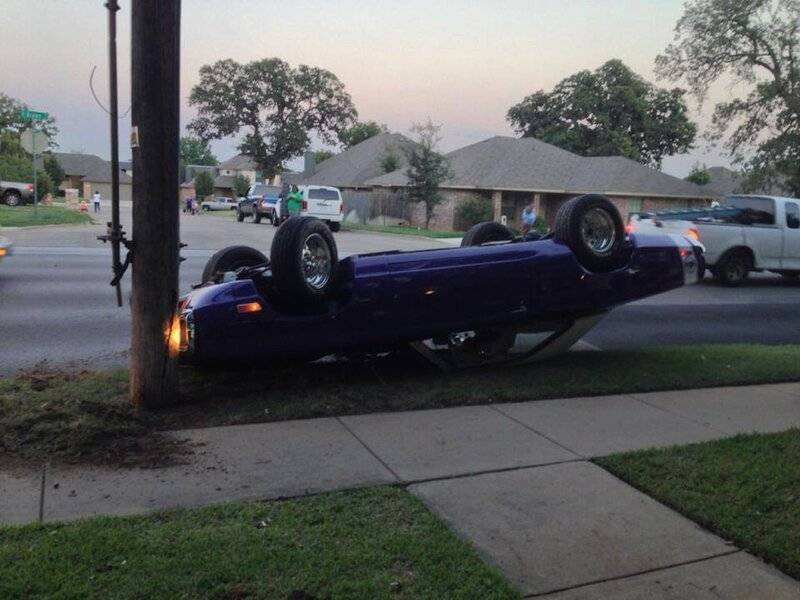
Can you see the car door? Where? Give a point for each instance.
(761, 232)
(791, 237)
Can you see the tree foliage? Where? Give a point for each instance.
(608, 112)
(699, 175)
(194, 151)
(427, 169)
(322, 155)
(241, 185)
(390, 161)
(757, 43)
(10, 119)
(53, 169)
(359, 132)
(276, 106)
(203, 184)
(474, 210)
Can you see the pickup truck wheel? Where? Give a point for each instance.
(229, 260)
(12, 198)
(489, 231)
(239, 216)
(256, 217)
(335, 226)
(733, 269)
(591, 226)
(206, 209)
(304, 259)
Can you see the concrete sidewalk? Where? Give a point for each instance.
(511, 478)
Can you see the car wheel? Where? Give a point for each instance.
(334, 226)
(231, 259)
(733, 269)
(239, 216)
(276, 221)
(482, 233)
(205, 208)
(304, 259)
(12, 198)
(591, 226)
(256, 217)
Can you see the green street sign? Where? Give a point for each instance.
(33, 115)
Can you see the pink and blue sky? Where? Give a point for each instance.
(463, 64)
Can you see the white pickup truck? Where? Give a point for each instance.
(743, 234)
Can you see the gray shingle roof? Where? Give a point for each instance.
(224, 181)
(240, 162)
(528, 164)
(89, 167)
(353, 167)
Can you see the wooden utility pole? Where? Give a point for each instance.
(155, 51)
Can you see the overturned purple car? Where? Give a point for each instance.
(497, 298)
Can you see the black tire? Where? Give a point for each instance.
(230, 259)
(489, 231)
(256, 217)
(733, 268)
(293, 282)
(239, 216)
(790, 274)
(591, 226)
(205, 208)
(12, 198)
(334, 226)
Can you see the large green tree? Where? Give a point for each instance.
(751, 42)
(275, 105)
(194, 151)
(203, 184)
(10, 119)
(609, 111)
(359, 132)
(427, 169)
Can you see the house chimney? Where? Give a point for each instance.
(309, 163)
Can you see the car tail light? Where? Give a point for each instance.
(694, 234)
(629, 228)
(248, 307)
(30, 187)
(305, 204)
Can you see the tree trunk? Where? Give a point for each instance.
(155, 335)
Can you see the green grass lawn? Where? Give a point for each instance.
(745, 488)
(432, 233)
(373, 543)
(86, 416)
(23, 216)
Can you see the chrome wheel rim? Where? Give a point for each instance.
(598, 231)
(316, 262)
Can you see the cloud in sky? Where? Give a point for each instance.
(463, 64)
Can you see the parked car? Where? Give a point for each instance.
(745, 233)
(14, 193)
(259, 203)
(219, 203)
(5, 247)
(457, 306)
(322, 202)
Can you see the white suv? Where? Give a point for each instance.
(320, 201)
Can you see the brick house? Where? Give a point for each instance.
(88, 173)
(511, 172)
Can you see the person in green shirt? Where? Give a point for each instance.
(294, 201)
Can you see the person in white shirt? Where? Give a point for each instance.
(96, 201)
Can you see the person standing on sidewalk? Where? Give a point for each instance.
(96, 201)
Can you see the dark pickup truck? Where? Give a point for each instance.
(259, 204)
(15, 193)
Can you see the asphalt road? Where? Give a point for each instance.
(56, 304)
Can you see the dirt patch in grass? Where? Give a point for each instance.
(86, 417)
(66, 416)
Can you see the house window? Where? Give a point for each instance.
(634, 205)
